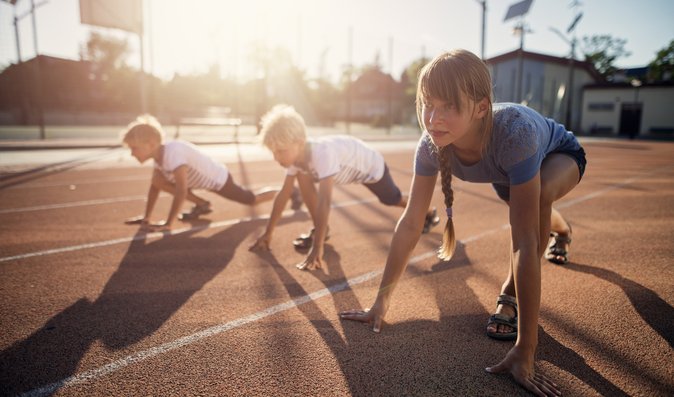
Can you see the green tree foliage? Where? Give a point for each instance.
(602, 51)
(108, 52)
(662, 67)
(409, 80)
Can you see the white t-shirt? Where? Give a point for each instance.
(347, 159)
(202, 171)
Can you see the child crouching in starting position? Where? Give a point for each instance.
(328, 161)
(179, 167)
(531, 161)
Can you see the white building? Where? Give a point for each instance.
(597, 107)
(629, 109)
(545, 82)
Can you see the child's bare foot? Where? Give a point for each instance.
(503, 324)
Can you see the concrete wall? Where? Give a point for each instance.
(602, 107)
(544, 87)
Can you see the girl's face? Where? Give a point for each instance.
(445, 124)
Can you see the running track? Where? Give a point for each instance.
(90, 306)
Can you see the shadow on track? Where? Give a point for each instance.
(425, 357)
(153, 281)
(657, 313)
(16, 178)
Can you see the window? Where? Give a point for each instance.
(601, 107)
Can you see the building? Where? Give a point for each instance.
(548, 83)
(373, 98)
(631, 109)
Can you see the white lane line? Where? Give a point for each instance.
(72, 204)
(40, 185)
(88, 202)
(159, 234)
(218, 329)
(208, 332)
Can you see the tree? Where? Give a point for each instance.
(662, 67)
(602, 51)
(107, 52)
(409, 80)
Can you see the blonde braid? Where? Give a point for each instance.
(446, 251)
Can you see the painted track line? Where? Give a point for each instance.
(73, 204)
(160, 234)
(218, 329)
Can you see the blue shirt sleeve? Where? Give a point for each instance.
(425, 160)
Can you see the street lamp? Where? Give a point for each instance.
(519, 10)
(483, 5)
(36, 69)
(572, 55)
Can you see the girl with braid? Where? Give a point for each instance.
(531, 161)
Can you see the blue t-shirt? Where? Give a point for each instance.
(520, 140)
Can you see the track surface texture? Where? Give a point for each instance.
(91, 306)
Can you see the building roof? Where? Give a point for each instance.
(512, 55)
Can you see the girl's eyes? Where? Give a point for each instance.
(446, 106)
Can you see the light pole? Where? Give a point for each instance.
(36, 68)
(483, 4)
(514, 11)
(569, 97)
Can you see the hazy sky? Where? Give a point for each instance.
(190, 36)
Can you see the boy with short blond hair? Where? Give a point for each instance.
(329, 160)
(180, 167)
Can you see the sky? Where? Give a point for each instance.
(322, 36)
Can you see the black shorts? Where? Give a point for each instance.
(230, 190)
(503, 191)
(385, 189)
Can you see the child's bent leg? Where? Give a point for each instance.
(160, 182)
(560, 173)
(232, 191)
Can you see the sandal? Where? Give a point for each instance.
(197, 210)
(555, 253)
(503, 319)
(306, 240)
(432, 219)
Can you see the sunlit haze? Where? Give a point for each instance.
(191, 37)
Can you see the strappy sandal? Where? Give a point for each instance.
(306, 240)
(503, 319)
(432, 219)
(556, 254)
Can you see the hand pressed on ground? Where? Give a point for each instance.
(520, 364)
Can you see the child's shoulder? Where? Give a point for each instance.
(513, 119)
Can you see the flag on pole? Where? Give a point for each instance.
(118, 14)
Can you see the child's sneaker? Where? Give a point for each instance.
(197, 210)
(432, 219)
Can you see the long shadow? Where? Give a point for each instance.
(657, 313)
(17, 178)
(549, 349)
(153, 281)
